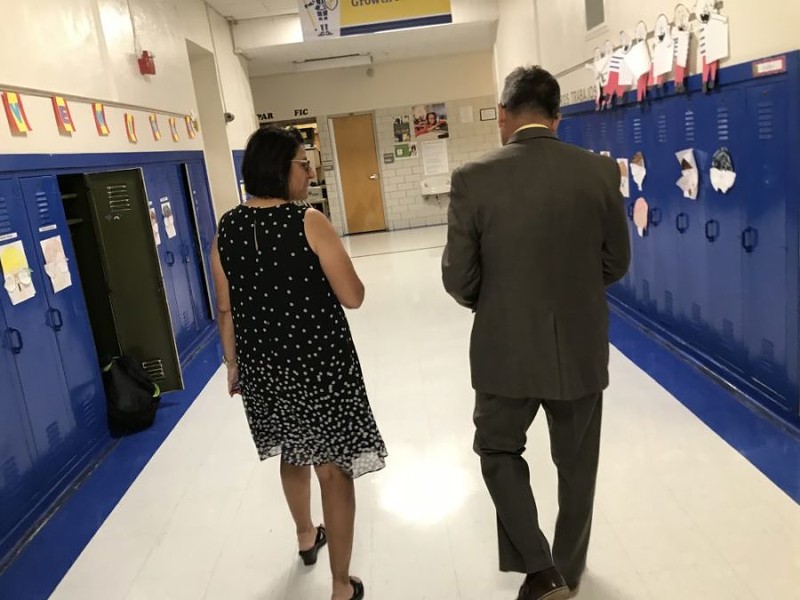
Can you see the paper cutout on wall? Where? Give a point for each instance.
(680, 41)
(402, 129)
(154, 127)
(173, 129)
(55, 263)
(641, 212)
(624, 179)
(638, 169)
(63, 116)
(406, 150)
(722, 174)
(664, 54)
(690, 176)
(130, 128)
(430, 121)
(100, 119)
(190, 130)
(17, 279)
(15, 112)
(713, 35)
(154, 225)
(169, 217)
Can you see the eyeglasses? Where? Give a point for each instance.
(306, 164)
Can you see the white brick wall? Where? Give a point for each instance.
(404, 204)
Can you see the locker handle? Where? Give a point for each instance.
(185, 253)
(712, 230)
(630, 211)
(56, 320)
(749, 239)
(170, 258)
(682, 222)
(655, 216)
(14, 334)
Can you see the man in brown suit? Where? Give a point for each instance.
(536, 231)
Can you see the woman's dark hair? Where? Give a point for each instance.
(435, 116)
(267, 161)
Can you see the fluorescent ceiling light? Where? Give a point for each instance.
(334, 62)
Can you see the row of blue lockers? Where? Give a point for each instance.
(53, 404)
(716, 276)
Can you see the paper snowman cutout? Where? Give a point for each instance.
(681, 37)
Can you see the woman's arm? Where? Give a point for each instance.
(225, 319)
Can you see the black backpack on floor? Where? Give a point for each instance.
(132, 397)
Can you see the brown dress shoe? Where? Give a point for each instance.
(544, 585)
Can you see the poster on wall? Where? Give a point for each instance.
(100, 119)
(15, 112)
(191, 126)
(63, 116)
(154, 127)
(402, 129)
(406, 150)
(130, 128)
(434, 158)
(430, 122)
(55, 263)
(154, 225)
(321, 19)
(173, 129)
(16, 273)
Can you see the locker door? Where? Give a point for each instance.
(205, 221)
(133, 276)
(67, 314)
(763, 242)
(723, 226)
(33, 344)
(190, 256)
(178, 290)
(17, 485)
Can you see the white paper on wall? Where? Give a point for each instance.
(17, 279)
(690, 177)
(664, 57)
(716, 38)
(638, 59)
(681, 44)
(55, 263)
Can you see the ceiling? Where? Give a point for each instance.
(390, 46)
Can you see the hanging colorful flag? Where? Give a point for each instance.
(130, 127)
(190, 127)
(100, 118)
(15, 112)
(63, 116)
(173, 128)
(154, 127)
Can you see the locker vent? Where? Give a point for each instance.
(620, 132)
(43, 209)
(155, 369)
(689, 122)
(637, 131)
(5, 218)
(604, 133)
(53, 435)
(662, 128)
(590, 135)
(723, 123)
(766, 117)
(119, 199)
(727, 329)
(697, 317)
(11, 472)
(668, 306)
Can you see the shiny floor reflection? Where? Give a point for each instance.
(679, 513)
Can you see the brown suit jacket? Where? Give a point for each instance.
(536, 231)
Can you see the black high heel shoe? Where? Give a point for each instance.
(310, 556)
(358, 589)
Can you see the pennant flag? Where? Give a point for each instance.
(15, 112)
(154, 127)
(190, 127)
(173, 128)
(63, 116)
(100, 118)
(130, 127)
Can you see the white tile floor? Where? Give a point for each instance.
(680, 515)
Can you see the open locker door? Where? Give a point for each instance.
(133, 274)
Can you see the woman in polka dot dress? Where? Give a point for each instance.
(282, 277)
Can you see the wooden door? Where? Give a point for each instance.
(358, 168)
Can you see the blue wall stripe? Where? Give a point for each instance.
(30, 164)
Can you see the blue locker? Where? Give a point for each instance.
(238, 157)
(36, 354)
(205, 219)
(67, 312)
(763, 245)
(179, 295)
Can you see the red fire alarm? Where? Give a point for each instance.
(147, 66)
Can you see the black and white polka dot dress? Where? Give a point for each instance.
(299, 372)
